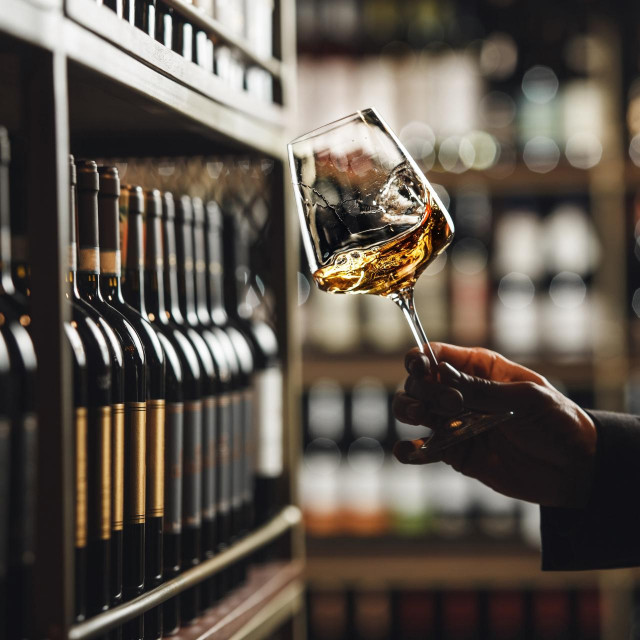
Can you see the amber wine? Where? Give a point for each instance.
(391, 266)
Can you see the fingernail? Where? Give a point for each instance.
(451, 372)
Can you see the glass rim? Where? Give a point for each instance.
(334, 124)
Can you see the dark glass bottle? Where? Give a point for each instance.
(191, 242)
(194, 425)
(5, 431)
(268, 372)
(130, 445)
(241, 345)
(160, 471)
(110, 202)
(92, 416)
(80, 528)
(234, 403)
(14, 318)
(162, 316)
(105, 420)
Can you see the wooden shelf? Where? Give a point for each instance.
(103, 22)
(286, 520)
(272, 595)
(139, 91)
(425, 567)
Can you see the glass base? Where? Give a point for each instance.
(451, 432)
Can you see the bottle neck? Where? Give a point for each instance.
(200, 265)
(171, 271)
(154, 270)
(72, 250)
(20, 272)
(186, 280)
(88, 273)
(134, 265)
(6, 281)
(109, 243)
(235, 266)
(216, 273)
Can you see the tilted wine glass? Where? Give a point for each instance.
(372, 223)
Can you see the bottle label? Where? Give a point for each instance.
(192, 465)
(81, 476)
(237, 452)
(135, 462)
(110, 262)
(268, 422)
(89, 260)
(174, 434)
(117, 465)
(249, 445)
(224, 456)
(209, 434)
(155, 457)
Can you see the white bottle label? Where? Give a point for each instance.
(268, 416)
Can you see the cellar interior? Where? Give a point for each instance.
(146, 205)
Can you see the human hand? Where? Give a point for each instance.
(545, 453)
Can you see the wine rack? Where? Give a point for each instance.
(76, 77)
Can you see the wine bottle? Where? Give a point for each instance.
(80, 402)
(222, 383)
(268, 473)
(234, 403)
(242, 349)
(110, 203)
(162, 317)
(14, 318)
(203, 413)
(169, 442)
(105, 426)
(91, 392)
(5, 431)
(129, 446)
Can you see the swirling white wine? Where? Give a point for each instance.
(390, 266)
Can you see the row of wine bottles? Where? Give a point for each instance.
(166, 25)
(177, 393)
(454, 614)
(352, 485)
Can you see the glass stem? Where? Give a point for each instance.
(404, 299)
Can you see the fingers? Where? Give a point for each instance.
(408, 409)
(418, 363)
(491, 396)
(484, 363)
(435, 396)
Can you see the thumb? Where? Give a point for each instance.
(488, 395)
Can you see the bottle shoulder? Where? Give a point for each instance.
(184, 349)
(146, 333)
(81, 308)
(132, 347)
(18, 341)
(174, 374)
(92, 336)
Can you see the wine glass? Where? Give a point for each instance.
(372, 223)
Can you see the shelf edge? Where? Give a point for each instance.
(289, 518)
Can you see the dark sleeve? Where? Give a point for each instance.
(606, 533)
